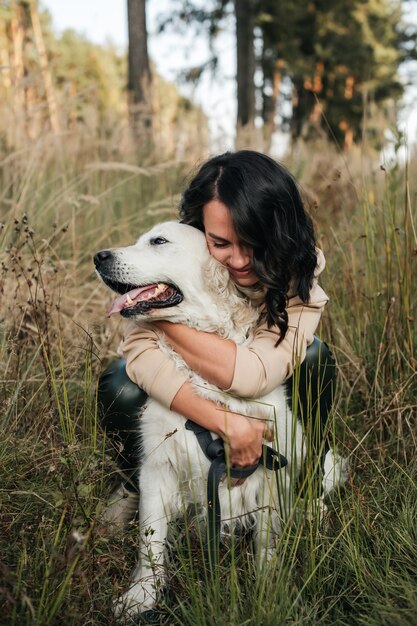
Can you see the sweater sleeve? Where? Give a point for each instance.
(148, 366)
(260, 366)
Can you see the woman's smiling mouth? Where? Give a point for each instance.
(242, 272)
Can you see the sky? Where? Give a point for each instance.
(103, 20)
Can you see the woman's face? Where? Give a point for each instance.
(224, 245)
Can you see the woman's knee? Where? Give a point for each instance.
(314, 383)
(119, 399)
(318, 354)
(319, 371)
(119, 403)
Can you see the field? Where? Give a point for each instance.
(63, 200)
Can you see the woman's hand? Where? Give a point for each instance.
(243, 436)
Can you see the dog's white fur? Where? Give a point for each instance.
(174, 470)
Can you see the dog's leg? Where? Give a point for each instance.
(155, 512)
(264, 538)
(274, 509)
(263, 535)
(336, 470)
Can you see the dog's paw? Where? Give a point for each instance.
(134, 602)
(336, 471)
(317, 510)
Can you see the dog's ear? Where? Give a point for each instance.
(216, 277)
(224, 290)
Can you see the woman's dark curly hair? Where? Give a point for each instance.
(268, 215)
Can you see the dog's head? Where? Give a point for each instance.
(166, 268)
(169, 274)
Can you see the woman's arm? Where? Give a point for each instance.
(260, 367)
(251, 370)
(156, 373)
(205, 353)
(148, 366)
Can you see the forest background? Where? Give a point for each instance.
(95, 147)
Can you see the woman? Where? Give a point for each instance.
(252, 214)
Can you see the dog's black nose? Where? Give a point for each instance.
(101, 256)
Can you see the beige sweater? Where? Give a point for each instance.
(259, 366)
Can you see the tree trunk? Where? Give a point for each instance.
(245, 21)
(46, 74)
(139, 79)
(17, 35)
(6, 76)
(271, 110)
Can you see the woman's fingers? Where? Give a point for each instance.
(244, 444)
(244, 438)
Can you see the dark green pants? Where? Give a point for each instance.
(313, 384)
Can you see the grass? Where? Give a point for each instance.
(63, 202)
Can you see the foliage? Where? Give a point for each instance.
(86, 72)
(342, 57)
(88, 87)
(322, 66)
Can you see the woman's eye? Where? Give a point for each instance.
(220, 245)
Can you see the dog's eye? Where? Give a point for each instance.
(158, 241)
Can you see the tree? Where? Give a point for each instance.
(323, 63)
(44, 65)
(341, 57)
(208, 19)
(139, 74)
(245, 71)
(28, 76)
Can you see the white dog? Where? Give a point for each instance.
(169, 274)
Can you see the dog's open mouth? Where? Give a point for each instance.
(139, 300)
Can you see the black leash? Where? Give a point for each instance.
(214, 451)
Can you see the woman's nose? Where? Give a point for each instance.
(240, 257)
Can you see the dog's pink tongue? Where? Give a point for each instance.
(130, 298)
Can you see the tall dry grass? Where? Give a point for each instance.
(60, 202)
